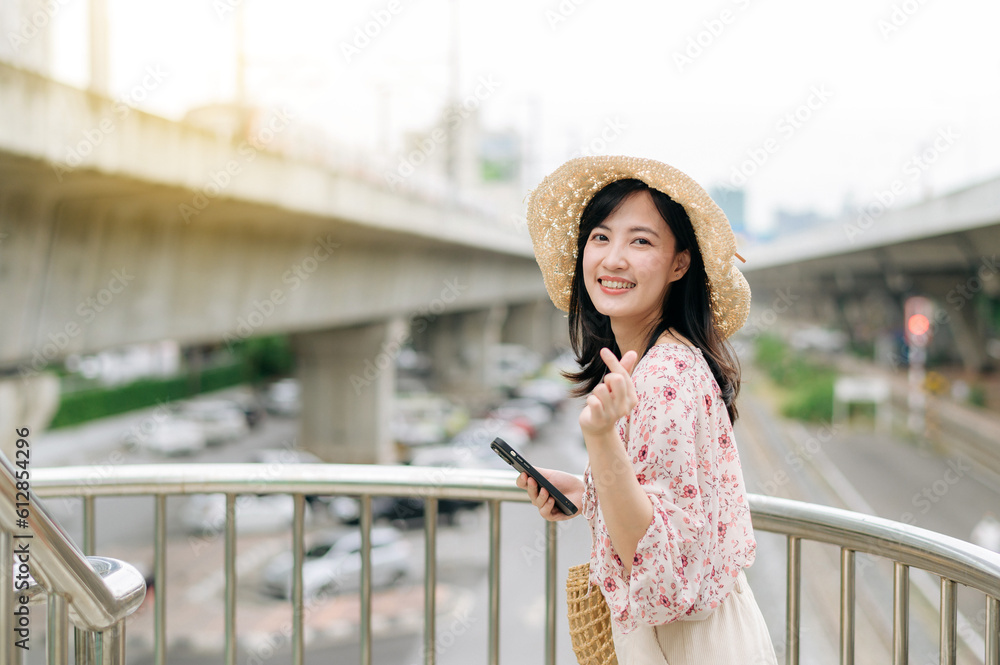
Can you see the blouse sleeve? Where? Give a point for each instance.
(670, 448)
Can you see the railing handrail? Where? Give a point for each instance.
(58, 565)
(914, 546)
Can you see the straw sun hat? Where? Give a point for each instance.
(555, 206)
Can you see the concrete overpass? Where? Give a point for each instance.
(857, 273)
(117, 226)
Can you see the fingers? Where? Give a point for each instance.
(624, 366)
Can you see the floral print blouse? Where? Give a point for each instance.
(680, 440)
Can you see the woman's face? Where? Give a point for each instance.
(629, 262)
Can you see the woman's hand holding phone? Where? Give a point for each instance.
(566, 483)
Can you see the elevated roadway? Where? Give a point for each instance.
(117, 226)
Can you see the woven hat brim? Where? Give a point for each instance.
(555, 207)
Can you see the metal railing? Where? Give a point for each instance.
(956, 561)
(96, 593)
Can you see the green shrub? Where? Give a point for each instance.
(807, 386)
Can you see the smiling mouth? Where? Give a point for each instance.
(616, 284)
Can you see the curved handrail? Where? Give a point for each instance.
(921, 548)
(60, 567)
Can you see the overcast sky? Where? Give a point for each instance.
(834, 100)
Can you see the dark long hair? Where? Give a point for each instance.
(686, 307)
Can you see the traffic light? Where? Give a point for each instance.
(918, 312)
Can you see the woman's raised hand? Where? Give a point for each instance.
(566, 483)
(613, 398)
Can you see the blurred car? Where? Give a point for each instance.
(206, 513)
(820, 339)
(425, 418)
(550, 392)
(220, 420)
(252, 407)
(284, 398)
(481, 432)
(523, 412)
(172, 436)
(509, 364)
(333, 563)
(280, 456)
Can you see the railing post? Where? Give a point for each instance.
(298, 537)
(366, 579)
(89, 528)
(9, 653)
(430, 579)
(949, 621)
(551, 575)
(992, 631)
(846, 606)
(900, 614)
(230, 566)
(57, 633)
(794, 594)
(160, 582)
(110, 645)
(494, 584)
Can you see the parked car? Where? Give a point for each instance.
(172, 436)
(206, 513)
(284, 398)
(425, 418)
(333, 564)
(509, 364)
(524, 413)
(220, 420)
(280, 456)
(551, 392)
(480, 432)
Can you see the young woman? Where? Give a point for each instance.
(644, 262)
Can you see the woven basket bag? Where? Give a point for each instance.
(589, 619)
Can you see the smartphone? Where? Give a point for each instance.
(512, 457)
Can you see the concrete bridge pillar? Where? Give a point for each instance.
(348, 377)
(460, 345)
(531, 325)
(26, 402)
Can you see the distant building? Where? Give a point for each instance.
(733, 203)
(793, 222)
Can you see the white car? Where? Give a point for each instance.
(206, 513)
(284, 398)
(220, 420)
(172, 436)
(333, 564)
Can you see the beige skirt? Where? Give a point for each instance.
(734, 633)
